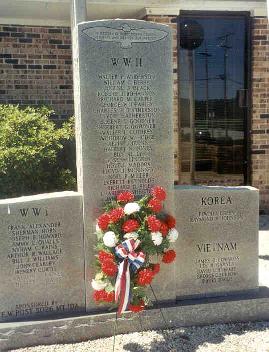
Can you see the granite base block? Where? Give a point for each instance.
(241, 308)
(41, 256)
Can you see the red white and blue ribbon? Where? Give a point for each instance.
(131, 260)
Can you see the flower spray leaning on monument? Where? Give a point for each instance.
(133, 238)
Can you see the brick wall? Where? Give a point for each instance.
(260, 113)
(35, 67)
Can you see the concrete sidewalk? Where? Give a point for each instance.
(264, 251)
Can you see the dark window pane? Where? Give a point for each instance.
(213, 100)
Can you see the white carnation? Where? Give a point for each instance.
(172, 235)
(110, 239)
(98, 285)
(131, 235)
(157, 238)
(131, 208)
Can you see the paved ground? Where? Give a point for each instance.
(264, 251)
(246, 337)
(218, 338)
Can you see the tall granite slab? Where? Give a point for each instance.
(123, 108)
(217, 251)
(41, 256)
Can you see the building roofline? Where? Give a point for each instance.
(57, 12)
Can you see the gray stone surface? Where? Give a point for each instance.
(232, 337)
(217, 251)
(197, 312)
(41, 256)
(123, 103)
(254, 307)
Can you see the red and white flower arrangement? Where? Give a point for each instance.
(130, 234)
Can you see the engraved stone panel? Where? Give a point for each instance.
(41, 256)
(217, 251)
(123, 100)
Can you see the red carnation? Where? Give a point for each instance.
(103, 221)
(130, 225)
(144, 277)
(164, 229)
(99, 295)
(136, 308)
(153, 223)
(171, 221)
(156, 268)
(109, 297)
(158, 192)
(116, 214)
(103, 256)
(103, 295)
(109, 267)
(125, 197)
(169, 256)
(155, 205)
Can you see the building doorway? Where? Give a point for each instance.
(213, 97)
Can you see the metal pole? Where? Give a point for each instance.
(225, 92)
(207, 87)
(78, 12)
(192, 114)
(206, 55)
(226, 47)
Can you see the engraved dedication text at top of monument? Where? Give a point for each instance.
(125, 35)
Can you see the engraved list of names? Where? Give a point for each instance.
(128, 110)
(42, 265)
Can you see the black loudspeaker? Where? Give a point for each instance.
(191, 34)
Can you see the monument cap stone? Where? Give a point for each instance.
(217, 251)
(41, 256)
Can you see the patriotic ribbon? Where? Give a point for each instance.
(131, 260)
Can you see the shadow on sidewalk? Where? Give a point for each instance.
(189, 339)
(264, 222)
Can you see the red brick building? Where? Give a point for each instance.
(223, 80)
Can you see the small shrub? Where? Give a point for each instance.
(30, 146)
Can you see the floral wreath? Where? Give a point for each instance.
(129, 235)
